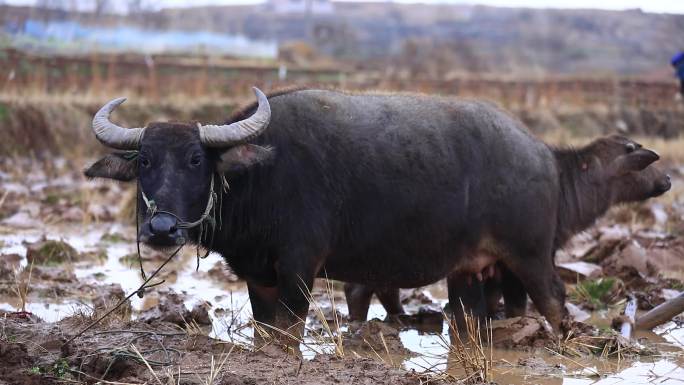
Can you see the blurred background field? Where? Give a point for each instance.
(582, 72)
(569, 74)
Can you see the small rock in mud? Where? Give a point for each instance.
(171, 308)
(50, 252)
(375, 335)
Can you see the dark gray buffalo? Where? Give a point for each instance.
(383, 190)
(585, 195)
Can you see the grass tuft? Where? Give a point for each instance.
(22, 286)
(597, 293)
(467, 349)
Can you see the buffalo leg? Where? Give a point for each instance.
(544, 286)
(492, 293)
(263, 300)
(358, 300)
(295, 281)
(389, 298)
(515, 296)
(465, 294)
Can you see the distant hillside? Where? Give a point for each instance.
(474, 38)
(433, 40)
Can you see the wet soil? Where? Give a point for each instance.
(35, 352)
(67, 256)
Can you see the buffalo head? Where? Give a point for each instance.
(177, 165)
(625, 169)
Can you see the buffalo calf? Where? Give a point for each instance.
(608, 171)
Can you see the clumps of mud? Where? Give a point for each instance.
(171, 308)
(220, 272)
(40, 193)
(587, 340)
(537, 366)
(533, 333)
(376, 337)
(57, 283)
(631, 251)
(34, 352)
(522, 332)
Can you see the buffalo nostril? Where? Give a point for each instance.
(664, 184)
(163, 224)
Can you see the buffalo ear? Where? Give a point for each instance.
(244, 156)
(121, 166)
(636, 160)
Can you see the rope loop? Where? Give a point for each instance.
(207, 222)
(152, 208)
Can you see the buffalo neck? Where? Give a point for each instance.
(581, 198)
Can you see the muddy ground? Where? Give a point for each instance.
(67, 256)
(34, 352)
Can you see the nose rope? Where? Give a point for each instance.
(152, 208)
(206, 221)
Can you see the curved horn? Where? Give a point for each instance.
(238, 132)
(112, 135)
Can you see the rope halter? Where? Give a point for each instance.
(181, 224)
(207, 221)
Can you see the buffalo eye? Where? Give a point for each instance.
(145, 162)
(196, 160)
(631, 147)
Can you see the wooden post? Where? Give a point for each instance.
(661, 313)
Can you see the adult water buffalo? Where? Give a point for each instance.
(386, 190)
(592, 179)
